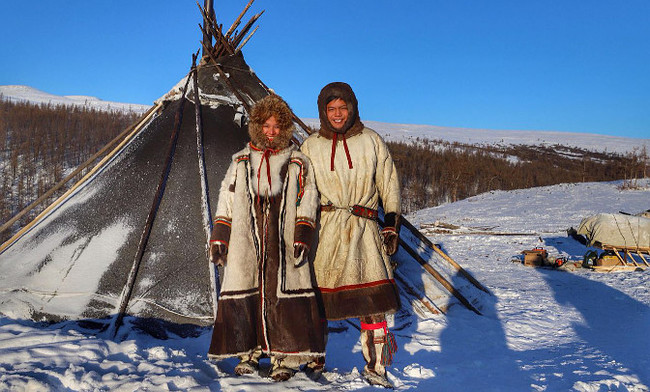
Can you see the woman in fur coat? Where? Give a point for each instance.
(263, 229)
(354, 171)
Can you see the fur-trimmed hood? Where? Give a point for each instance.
(271, 105)
(342, 91)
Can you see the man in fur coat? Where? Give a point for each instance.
(354, 171)
(263, 229)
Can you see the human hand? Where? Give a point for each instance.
(300, 253)
(218, 252)
(391, 240)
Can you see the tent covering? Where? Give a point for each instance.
(75, 262)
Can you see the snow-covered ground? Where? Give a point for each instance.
(542, 330)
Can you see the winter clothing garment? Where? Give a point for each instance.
(353, 270)
(267, 298)
(267, 207)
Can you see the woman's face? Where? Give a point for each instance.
(270, 128)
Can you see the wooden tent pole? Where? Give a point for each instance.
(205, 194)
(441, 279)
(246, 40)
(451, 261)
(160, 190)
(238, 20)
(236, 40)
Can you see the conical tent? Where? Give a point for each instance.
(82, 251)
(131, 237)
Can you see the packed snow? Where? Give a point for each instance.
(541, 330)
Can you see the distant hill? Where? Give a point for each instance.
(25, 93)
(391, 132)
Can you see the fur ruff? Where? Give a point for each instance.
(271, 105)
(340, 90)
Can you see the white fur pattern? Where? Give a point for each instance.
(275, 187)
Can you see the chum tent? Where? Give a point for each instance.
(130, 238)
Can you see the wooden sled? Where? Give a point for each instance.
(625, 259)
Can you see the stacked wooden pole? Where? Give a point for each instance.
(229, 43)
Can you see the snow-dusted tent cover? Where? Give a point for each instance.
(130, 238)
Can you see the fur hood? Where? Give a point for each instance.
(271, 105)
(343, 91)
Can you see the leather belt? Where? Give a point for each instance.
(361, 211)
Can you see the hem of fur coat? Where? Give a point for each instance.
(268, 353)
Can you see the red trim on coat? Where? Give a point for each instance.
(357, 286)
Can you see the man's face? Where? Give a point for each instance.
(270, 128)
(337, 113)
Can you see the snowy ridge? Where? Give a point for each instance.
(391, 132)
(29, 94)
(588, 141)
(543, 330)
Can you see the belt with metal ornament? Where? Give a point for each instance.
(361, 211)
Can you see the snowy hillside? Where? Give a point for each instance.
(30, 94)
(543, 329)
(592, 142)
(392, 132)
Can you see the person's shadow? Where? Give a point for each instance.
(474, 352)
(471, 351)
(615, 324)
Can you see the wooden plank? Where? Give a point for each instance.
(425, 240)
(643, 258)
(605, 269)
(441, 279)
(416, 294)
(623, 259)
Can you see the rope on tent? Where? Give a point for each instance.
(160, 191)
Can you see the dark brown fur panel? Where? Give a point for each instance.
(235, 328)
(361, 302)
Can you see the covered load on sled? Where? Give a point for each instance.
(625, 239)
(621, 230)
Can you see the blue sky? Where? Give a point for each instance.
(563, 65)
